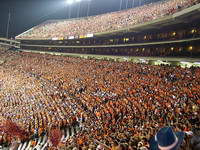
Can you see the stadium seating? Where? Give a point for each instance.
(106, 22)
(118, 104)
(42, 142)
(96, 104)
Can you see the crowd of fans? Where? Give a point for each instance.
(109, 21)
(121, 104)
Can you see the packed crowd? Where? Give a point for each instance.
(109, 21)
(121, 105)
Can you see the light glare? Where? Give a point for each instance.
(70, 2)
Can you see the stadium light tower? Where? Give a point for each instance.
(140, 2)
(8, 24)
(127, 3)
(69, 2)
(120, 5)
(133, 2)
(79, 7)
(88, 7)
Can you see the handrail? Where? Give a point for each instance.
(9, 40)
(6, 44)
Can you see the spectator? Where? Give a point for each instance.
(122, 103)
(107, 22)
(166, 139)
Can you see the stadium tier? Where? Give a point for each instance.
(87, 27)
(172, 30)
(87, 104)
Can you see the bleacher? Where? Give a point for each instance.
(112, 81)
(84, 27)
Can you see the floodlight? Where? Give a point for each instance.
(69, 2)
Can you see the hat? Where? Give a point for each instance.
(166, 139)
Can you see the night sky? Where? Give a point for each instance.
(28, 13)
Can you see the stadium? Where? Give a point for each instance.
(127, 79)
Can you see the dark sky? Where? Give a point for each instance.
(28, 13)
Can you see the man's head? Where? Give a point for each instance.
(166, 139)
